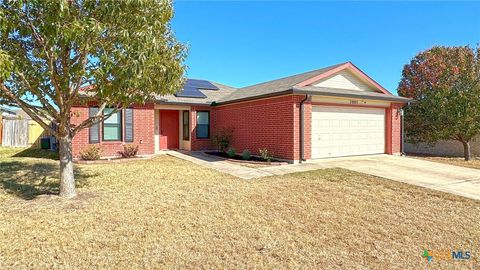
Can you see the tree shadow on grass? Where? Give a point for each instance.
(29, 180)
(37, 153)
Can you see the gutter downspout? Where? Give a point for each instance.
(302, 128)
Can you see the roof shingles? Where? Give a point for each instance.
(228, 94)
(274, 86)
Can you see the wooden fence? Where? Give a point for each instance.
(15, 132)
(35, 132)
(1, 128)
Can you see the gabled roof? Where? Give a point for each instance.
(22, 114)
(302, 83)
(7, 110)
(275, 86)
(355, 70)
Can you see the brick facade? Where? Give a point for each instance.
(394, 129)
(272, 123)
(201, 144)
(308, 129)
(265, 123)
(143, 126)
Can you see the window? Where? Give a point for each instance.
(186, 126)
(203, 125)
(112, 126)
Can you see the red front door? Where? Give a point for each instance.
(169, 129)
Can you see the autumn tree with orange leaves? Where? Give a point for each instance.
(445, 83)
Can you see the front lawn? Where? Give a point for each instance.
(457, 161)
(166, 212)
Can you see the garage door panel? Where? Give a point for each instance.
(345, 131)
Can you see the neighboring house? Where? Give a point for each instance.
(6, 112)
(21, 114)
(19, 130)
(329, 112)
(444, 148)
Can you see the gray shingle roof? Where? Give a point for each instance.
(227, 94)
(274, 86)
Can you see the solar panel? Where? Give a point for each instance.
(189, 91)
(201, 84)
(192, 86)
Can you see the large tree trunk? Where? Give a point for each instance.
(467, 152)
(67, 180)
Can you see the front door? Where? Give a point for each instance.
(169, 135)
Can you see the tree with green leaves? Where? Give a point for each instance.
(124, 50)
(445, 82)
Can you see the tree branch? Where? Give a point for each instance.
(29, 109)
(50, 61)
(76, 87)
(47, 106)
(96, 118)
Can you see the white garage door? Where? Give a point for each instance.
(345, 131)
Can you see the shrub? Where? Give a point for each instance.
(223, 139)
(246, 154)
(231, 152)
(92, 152)
(129, 150)
(265, 155)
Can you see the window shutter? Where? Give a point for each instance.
(93, 131)
(129, 125)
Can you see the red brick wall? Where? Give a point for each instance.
(308, 129)
(396, 128)
(201, 144)
(266, 123)
(143, 122)
(297, 99)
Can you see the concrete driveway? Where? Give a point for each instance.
(439, 176)
(443, 177)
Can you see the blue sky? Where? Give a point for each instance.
(241, 43)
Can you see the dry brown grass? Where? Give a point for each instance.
(457, 161)
(165, 213)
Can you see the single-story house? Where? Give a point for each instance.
(330, 112)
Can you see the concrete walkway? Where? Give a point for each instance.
(438, 176)
(219, 164)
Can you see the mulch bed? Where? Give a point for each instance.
(252, 160)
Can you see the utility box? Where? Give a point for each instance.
(45, 143)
